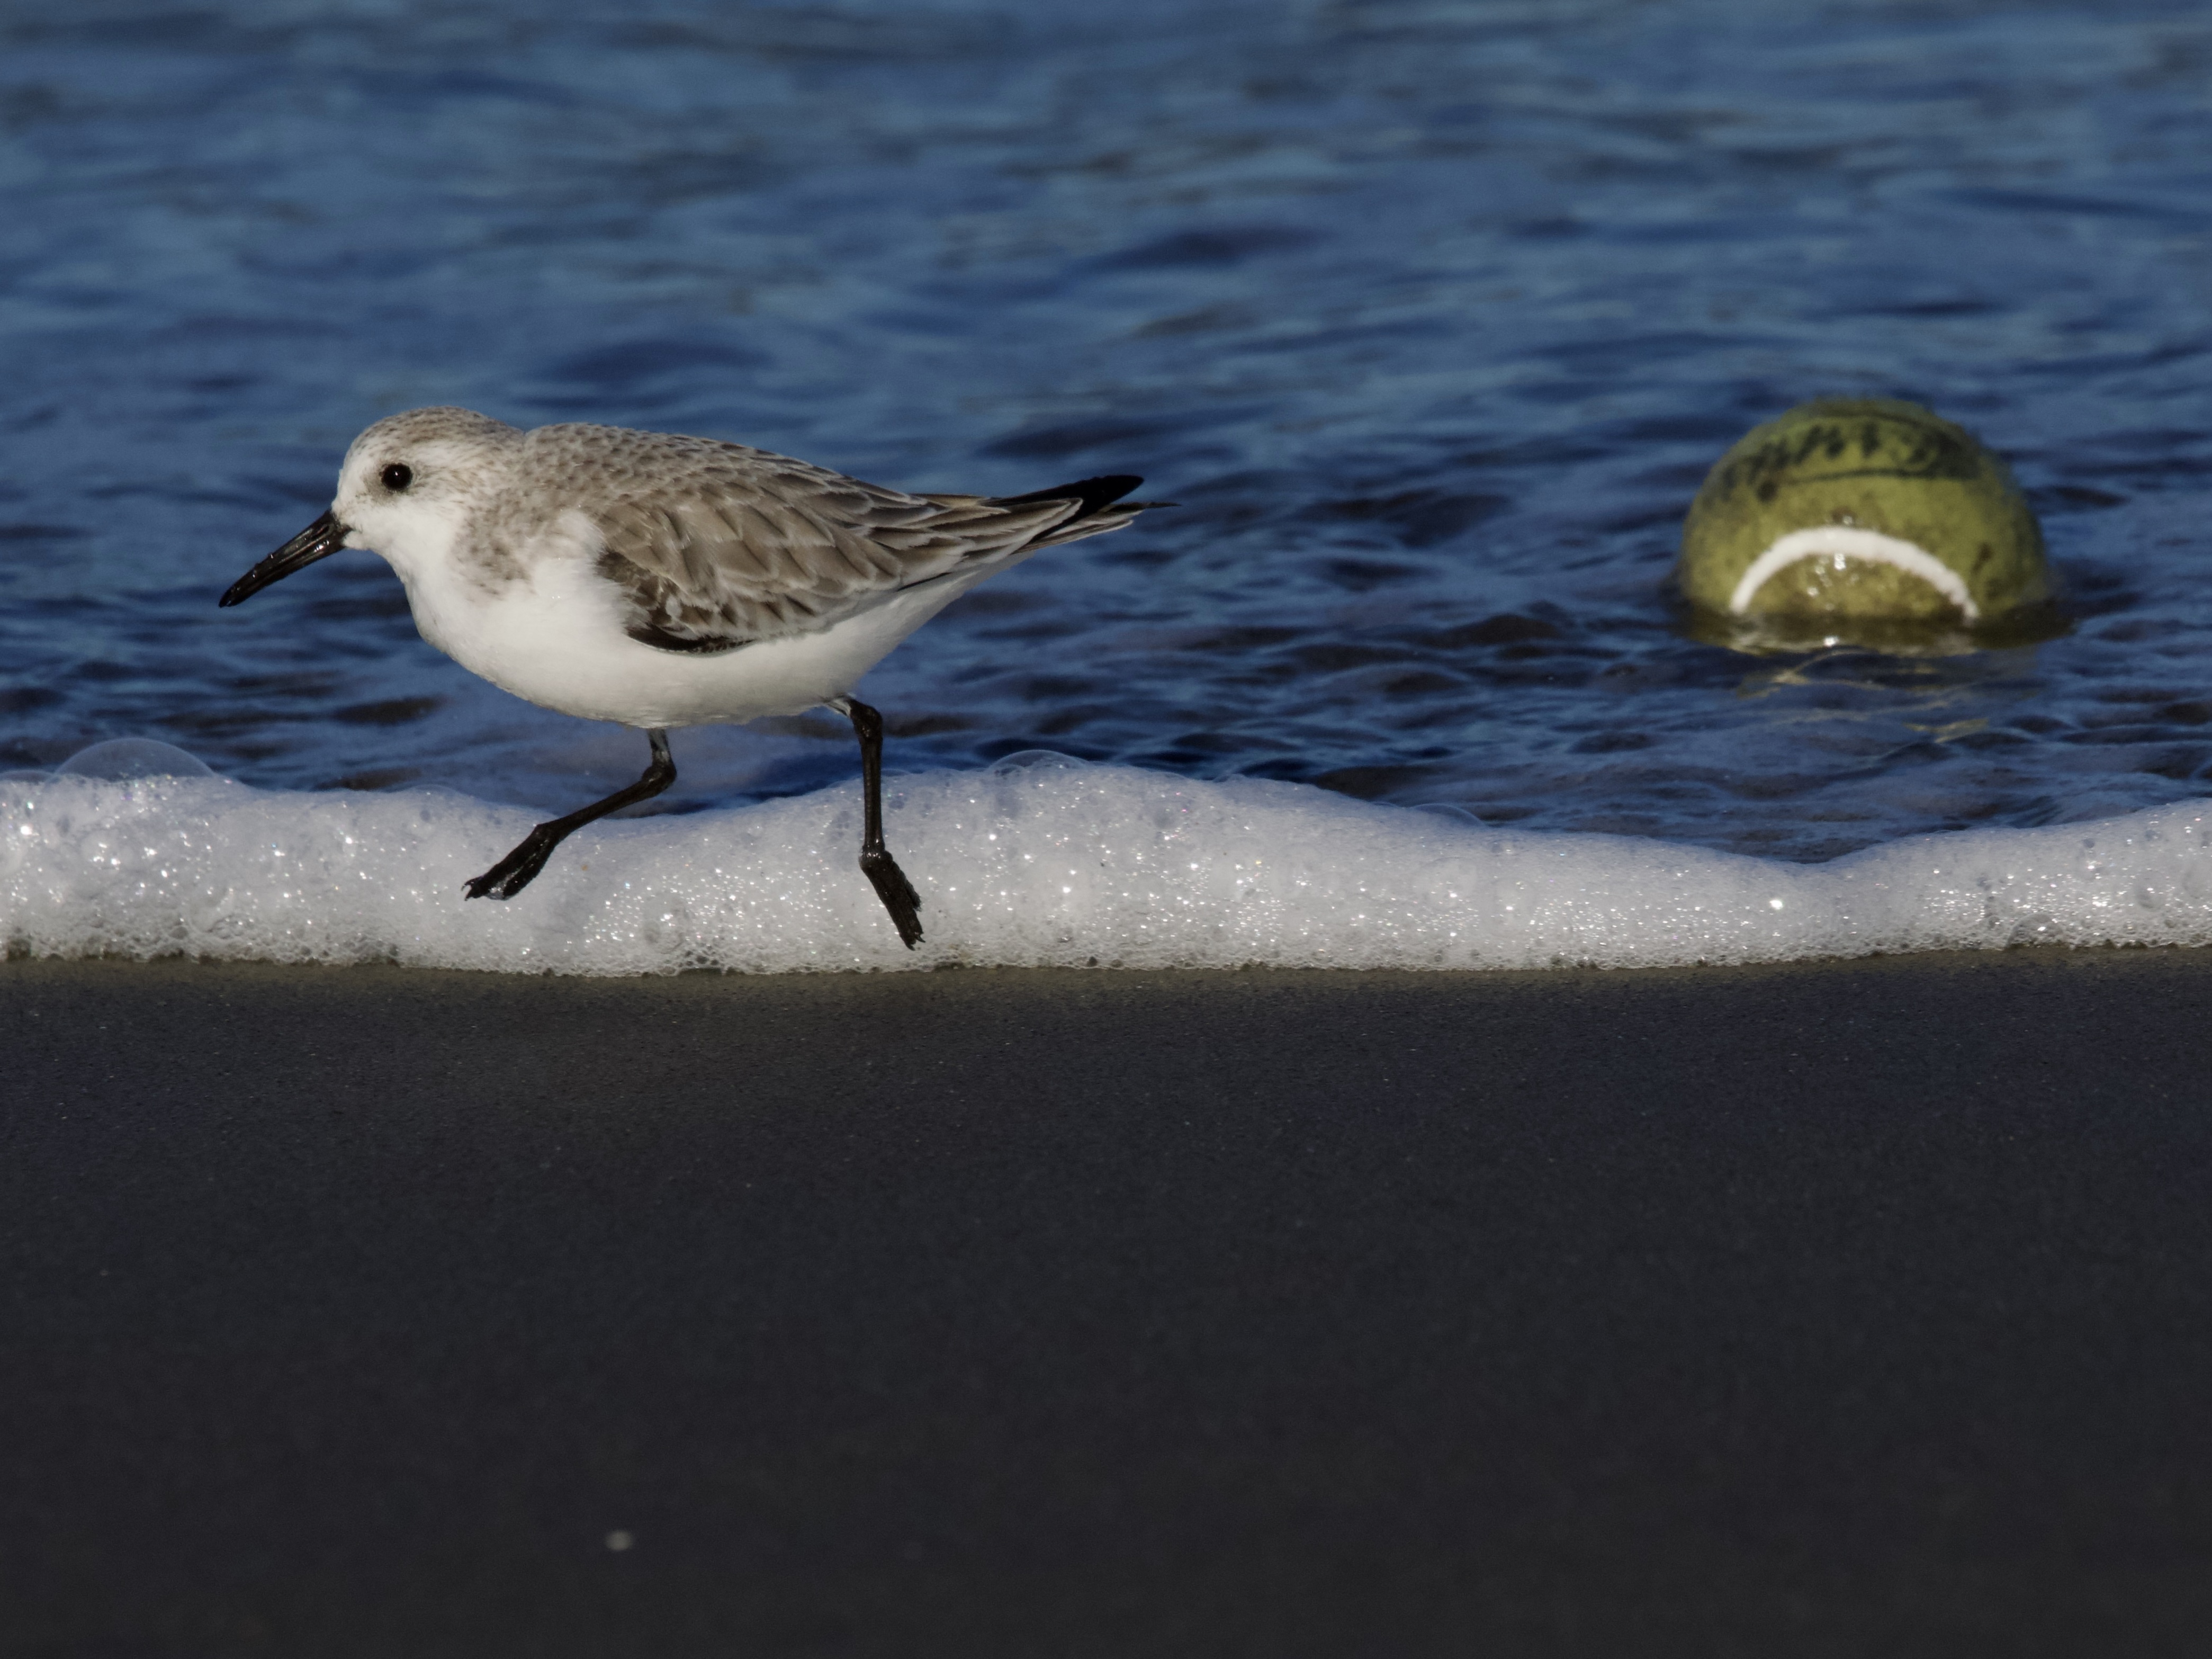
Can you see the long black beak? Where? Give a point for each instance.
(318, 541)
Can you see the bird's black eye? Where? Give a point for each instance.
(398, 475)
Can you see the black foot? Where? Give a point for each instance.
(896, 892)
(518, 869)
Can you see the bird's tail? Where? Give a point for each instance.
(1099, 506)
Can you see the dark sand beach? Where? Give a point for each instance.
(1839, 1309)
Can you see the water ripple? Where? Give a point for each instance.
(1431, 314)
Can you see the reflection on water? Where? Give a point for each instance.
(1432, 315)
(1783, 633)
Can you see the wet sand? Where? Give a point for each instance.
(1844, 1309)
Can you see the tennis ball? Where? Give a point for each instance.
(1865, 519)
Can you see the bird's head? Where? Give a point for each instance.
(406, 483)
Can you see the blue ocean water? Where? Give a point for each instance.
(1431, 314)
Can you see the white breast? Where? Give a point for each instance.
(555, 636)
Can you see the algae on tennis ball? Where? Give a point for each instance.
(1862, 510)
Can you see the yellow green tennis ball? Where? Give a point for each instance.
(1862, 508)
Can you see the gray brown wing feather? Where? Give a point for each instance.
(715, 545)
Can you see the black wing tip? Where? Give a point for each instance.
(661, 639)
(1095, 494)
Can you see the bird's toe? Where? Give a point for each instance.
(899, 899)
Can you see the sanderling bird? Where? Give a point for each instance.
(659, 581)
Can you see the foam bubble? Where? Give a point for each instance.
(1041, 861)
(119, 758)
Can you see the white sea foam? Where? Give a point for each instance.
(1036, 861)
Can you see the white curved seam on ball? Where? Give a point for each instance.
(1847, 542)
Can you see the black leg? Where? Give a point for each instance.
(876, 861)
(519, 868)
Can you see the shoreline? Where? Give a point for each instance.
(1045, 866)
(1851, 1305)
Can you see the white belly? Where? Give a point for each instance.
(556, 638)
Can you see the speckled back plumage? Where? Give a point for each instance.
(715, 545)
